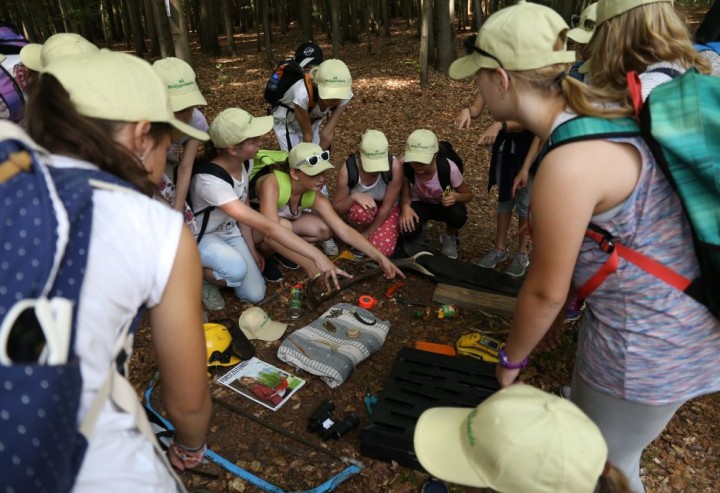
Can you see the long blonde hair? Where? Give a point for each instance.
(633, 40)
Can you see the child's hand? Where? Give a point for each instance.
(408, 220)
(490, 134)
(449, 197)
(463, 119)
(520, 180)
(364, 200)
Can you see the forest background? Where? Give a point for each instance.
(398, 52)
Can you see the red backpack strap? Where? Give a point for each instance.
(635, 88)
(617, 250)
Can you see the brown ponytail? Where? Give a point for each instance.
(54, 123)
(613, 481)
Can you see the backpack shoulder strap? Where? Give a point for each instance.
(589, 128)
(284, 187)
(307, 200)
(210, 168)
(352, 170)
(443, 170)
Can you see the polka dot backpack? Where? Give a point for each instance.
(45, 223)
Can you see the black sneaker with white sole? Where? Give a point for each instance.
(272, 273)
(286, 262)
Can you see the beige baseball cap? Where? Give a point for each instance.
(520, 439)
(585, 25)
(180, 79)
(421, 147)
(256, 324)
(309, 158)
(607, 9)
(30, 56)
(333, 80)
(119, 87)
(374, 151)
(519, 37)
(234, 125)
(60, 45)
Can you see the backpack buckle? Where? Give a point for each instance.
(606, 244)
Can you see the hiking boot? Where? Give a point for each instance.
(286, 262)
(519, 265)
(212, 297)
(493, 258)
(449, 245)
(330, 248)
(272, 273)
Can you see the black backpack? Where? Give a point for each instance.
(445, 152)
(283, 77)
(354, 172)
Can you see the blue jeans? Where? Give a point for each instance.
(230, 259)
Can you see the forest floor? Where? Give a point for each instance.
(685, 458)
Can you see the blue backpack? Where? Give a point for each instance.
(45, 226)
(680, 122)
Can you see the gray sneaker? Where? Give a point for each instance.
(493, 258)
(449, 245)
(211, 297)
(330, 248)
(519, 265)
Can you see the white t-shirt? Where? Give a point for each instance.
(132, 249)
(297, 95)
(208, 190)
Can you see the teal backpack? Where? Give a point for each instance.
(681, 124)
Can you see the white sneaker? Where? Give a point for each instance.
(330, 248)
(449, 245)
(211, 297)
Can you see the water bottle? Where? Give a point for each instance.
(296, 300)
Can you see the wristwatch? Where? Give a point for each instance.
(505, 363)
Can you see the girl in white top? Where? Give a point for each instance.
(227, 247)
(110, 111)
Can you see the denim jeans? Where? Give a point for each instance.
(230, 259)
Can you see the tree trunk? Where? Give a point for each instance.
(266, 28)
(125, 18)
(64, 11)
(336, 31)
(385, 17)
(352, 22)
(477, 16)
(150, 28)
(306, 19)
(208, 27)
(566, 8)
(162, 27)
(138, 38)
(366, 19)
(179, 32)
(425, 25)
(227, 18)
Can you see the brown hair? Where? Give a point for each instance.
(54, 122)
(641, 36)
(613, 481)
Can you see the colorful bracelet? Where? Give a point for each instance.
(505, 363)
(189, 457)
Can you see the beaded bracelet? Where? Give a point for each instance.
(505, 362)
(189, 457)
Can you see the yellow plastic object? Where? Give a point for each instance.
(478, 346)
(218, 346)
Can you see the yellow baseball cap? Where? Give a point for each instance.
(519, 37)
(585, 27)
(374, 151)
(180, 79)
(520, 439)
(256, 324)
(421, 146)
(607, 9)
(309, 158)
(30, 56)
(234, 125)
(333, 80)
(119, 87)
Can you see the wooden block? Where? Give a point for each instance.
(497, 304)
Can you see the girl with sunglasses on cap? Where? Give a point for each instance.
(286, 191)
(110, 111)
(644, 347)
(371, 203)
(226, 223)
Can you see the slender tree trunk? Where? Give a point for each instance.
(228, 21)
(125, 18)
(445, 44)
(65, 12)
(425, 25)
(138, 38)
(336, 31)
(208, 27)
(384, 9)
(150, 28)
(266, 28)
(179, 32)
(306, 19)
(352, 22)
(28, 22)
(257, 12)
(366, 18)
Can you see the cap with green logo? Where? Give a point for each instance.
(519, 37)
(607, 9)
(520, 439)
(421, 147)
(333, 80)
(180, 79)
(234, 125)
(119, 87)
(374, 151)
